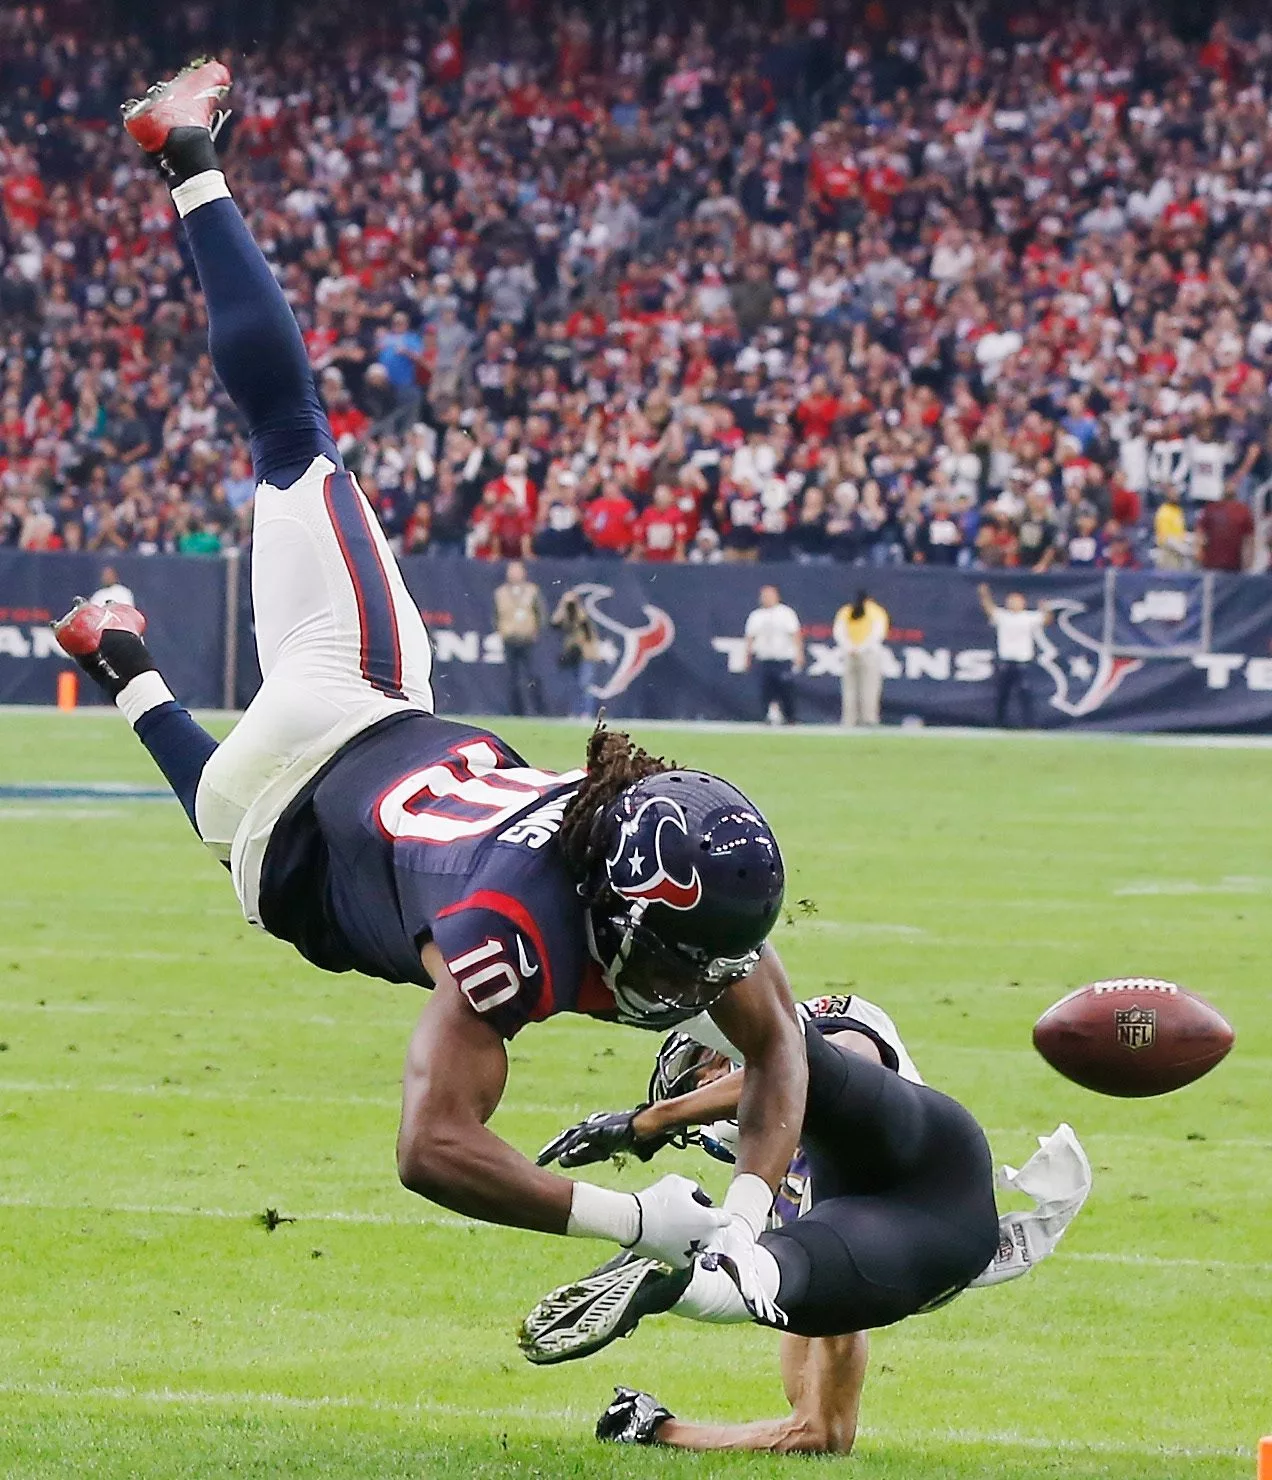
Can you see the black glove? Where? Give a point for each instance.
(599, 1137)
(631, 1418)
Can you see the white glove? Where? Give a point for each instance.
(677, 1221)
(734, 1249)
(1058, 1178)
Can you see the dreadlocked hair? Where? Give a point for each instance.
(614, 762)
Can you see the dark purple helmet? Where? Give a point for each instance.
(688, 884)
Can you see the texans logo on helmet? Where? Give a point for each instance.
(638, 870)
(631, 649)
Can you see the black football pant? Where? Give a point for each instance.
(777, 686)
(903, 1211)
(1012, 678)
(525, 695)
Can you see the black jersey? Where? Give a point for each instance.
(422, 829)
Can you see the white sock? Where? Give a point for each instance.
(198, 190)
(142, 694)
(712, 1295)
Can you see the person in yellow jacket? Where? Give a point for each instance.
(860, 631)
(1173, 546)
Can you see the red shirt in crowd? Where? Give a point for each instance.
(348, 421)
(24, 200)
(817, 415)
(585, 325)
(446, 57)
(1225, 526)
(609, 522)
(501, 530)
(660, 534)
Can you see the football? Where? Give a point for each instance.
(1132, 1036)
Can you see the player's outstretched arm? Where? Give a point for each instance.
(456, 1069)
(758, 1017)
(823, 1377)
(644, 1130)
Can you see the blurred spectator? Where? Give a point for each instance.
(519, 621)
(775, 650)
(1172, 544)
(580, 650)
(112, 589)
(1017, 631)
(860, 630)
(866, 299)
(1226, 532)
(1084, 548)
(660, 531)
(609, 522)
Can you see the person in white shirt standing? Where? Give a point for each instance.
(1018, 631)
(775, 648)
(112, 589)
(859, 632)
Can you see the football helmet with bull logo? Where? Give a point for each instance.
(688, 884)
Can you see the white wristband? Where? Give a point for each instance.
(750, 1198)
(599, 1212)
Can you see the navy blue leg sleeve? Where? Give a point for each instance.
(180, 747)
(256, 347)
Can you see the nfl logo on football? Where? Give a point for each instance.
(1136, 1027)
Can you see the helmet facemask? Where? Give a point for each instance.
(655, 984)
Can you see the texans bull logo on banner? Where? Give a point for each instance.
(630, 649)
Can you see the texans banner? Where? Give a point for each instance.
(183, 597)
(1126, 650)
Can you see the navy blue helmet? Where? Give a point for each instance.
(688, 883)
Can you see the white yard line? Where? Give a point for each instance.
(446, 1220)
(423, 1407)
(241, 1215)
(1154, 1261)
(243, 1097)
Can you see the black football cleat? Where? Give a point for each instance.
(581, 1318)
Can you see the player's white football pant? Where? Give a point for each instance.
(341, 645)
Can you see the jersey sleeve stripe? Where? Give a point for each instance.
(380, 658)
(514, 910)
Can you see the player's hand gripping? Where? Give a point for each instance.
(602, 1135)
(677, 1221)
(632, 1418)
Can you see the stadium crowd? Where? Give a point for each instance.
(843, 288)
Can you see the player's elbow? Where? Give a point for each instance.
(427, 1161)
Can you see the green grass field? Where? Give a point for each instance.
(167, 1075)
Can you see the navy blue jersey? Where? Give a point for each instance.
(423, 829)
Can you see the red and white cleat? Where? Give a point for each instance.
(105, 640)
(79, 632)
(190, 100)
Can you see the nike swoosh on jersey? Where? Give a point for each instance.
(527, 971)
